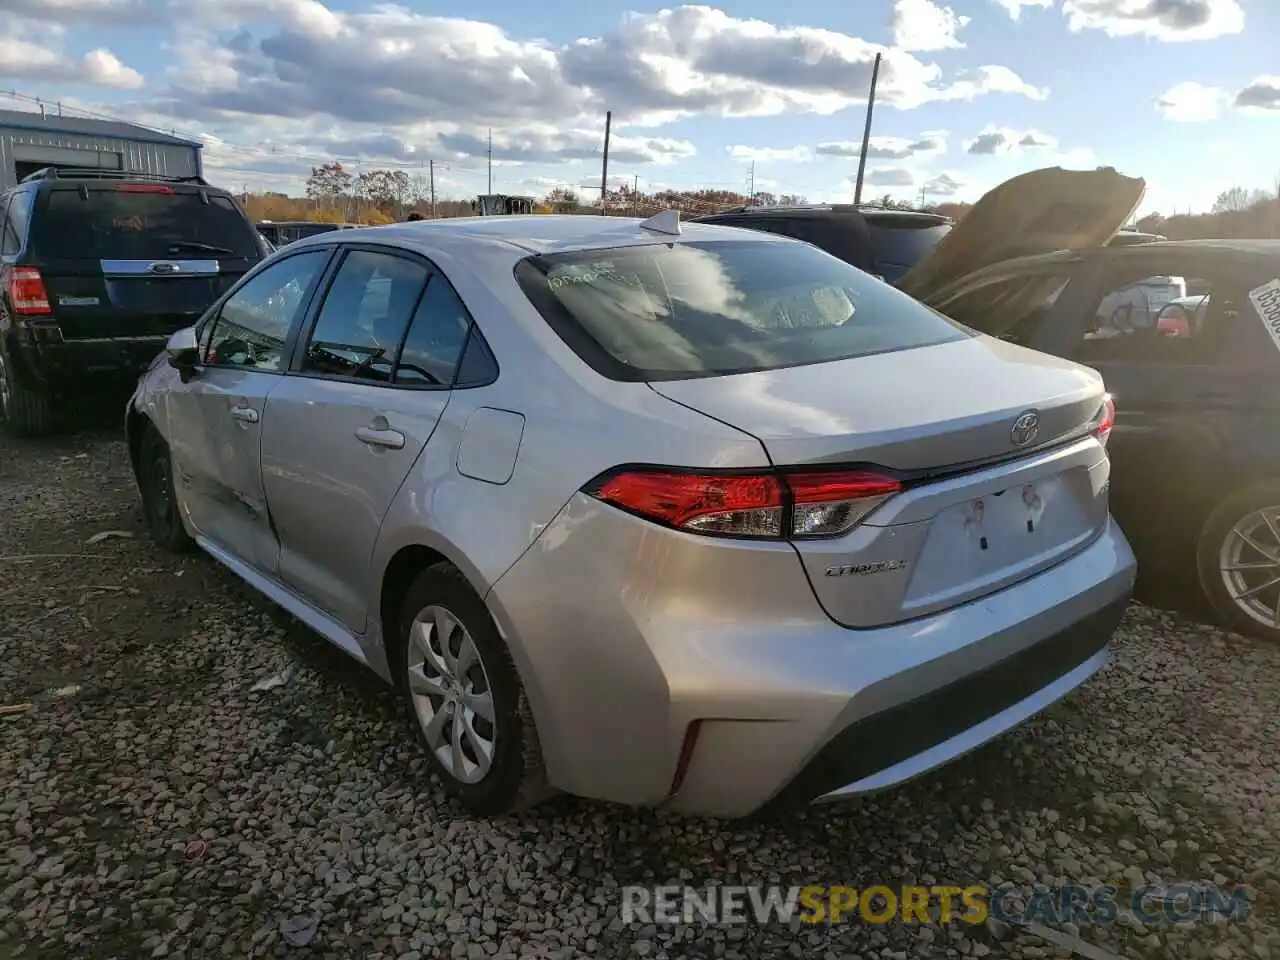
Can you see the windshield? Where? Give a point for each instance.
(122, 224)
(665, 312)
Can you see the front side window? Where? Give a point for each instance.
(254, 323)
(675, 311)
(364, 317)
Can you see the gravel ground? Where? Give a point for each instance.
(153, 804)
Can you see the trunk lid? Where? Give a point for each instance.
(978, 511)
(1035, 213)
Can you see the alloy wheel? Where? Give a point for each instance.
(1249, 564)
(451, 693)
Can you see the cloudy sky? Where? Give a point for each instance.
(971, 92)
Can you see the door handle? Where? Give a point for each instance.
(245, 414)
(391, 439)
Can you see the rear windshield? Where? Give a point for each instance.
(119, 224)
(667, 312)
(905, 246)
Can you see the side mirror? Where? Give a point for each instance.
(183, 351)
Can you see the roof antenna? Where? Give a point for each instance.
(668, 222)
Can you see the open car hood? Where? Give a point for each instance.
(1034, 213)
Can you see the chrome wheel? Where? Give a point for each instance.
(451, 694)
(1249, 564)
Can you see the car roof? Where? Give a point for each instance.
(532, 234)
(827, 210)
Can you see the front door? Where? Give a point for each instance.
(1182, 387)
(341, 434)
(216, 418)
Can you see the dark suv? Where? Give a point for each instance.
(885, 242)
(97, 268)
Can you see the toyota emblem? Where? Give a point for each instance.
(1025, 429)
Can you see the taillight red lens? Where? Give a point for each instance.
(759, 505)
(1106, 419)
(143, 188)
(27, 293)
(748, 505)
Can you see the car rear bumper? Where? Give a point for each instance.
(767, 700)
(59, 365)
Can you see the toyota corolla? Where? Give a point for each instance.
(662, 514)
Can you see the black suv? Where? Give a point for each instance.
(885, 242)
(97, 268)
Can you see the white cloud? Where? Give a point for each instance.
(943, 185)
(79, 12)
(996, 140)
(770, 154)
(388, 67)
(1168, 20)
(924, 25)
(30, 51)
(1191, 102)
(890, 177)
(991, 79)
(1261, 96)
(886, 148)
(1015, 7)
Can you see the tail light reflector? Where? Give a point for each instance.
(775, 506)
(1106, 419)
(27, 293)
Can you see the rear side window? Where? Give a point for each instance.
(135, 221)
(15, 225)
(436, 338)
(364, 317)
(675, 311)
(905, 246)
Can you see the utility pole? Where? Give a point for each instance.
(431, 180)
(604, 167)
(751, 189)
(491, 161)
(866, 132)
(635, 195)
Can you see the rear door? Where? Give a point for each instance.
(215, 419)
(369, 383)
(137, 260)
(1196, 411)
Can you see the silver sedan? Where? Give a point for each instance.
(660, 514)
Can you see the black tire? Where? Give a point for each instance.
(25, 410)
(516, 778)
(1213, 537)
(159, 503)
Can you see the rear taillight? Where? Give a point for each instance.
(1106, 419)
(27, 294)
(775, 506)
(143, 188)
